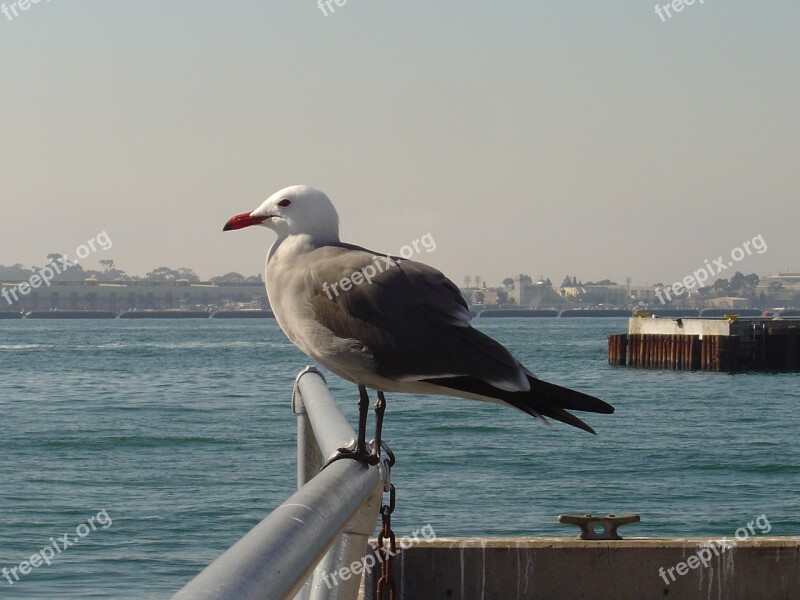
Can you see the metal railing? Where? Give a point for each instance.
(319, 530)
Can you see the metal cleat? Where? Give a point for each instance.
(598, 528)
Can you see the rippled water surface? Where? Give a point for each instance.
(182, 431)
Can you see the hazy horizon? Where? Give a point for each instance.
(93, 265)
(589, 139)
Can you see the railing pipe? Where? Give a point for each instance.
(325, 583)
(309, 458)
(277, 556)
(309, 455)
(331, 429)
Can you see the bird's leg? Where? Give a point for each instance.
(360, 452)
(380, 409)
(363, 410)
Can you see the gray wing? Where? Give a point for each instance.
(411, 319)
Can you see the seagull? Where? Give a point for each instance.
(387, 323)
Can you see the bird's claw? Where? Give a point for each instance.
(359, 449)
(366, 455)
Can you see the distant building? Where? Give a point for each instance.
(646, 294)
(728, 302)
(529, 294)
(592, 295)
(483, 297)
(782, 289)
(139, 295)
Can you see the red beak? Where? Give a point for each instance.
(243, 220)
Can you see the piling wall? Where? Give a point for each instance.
(630, 569)
(708, 345)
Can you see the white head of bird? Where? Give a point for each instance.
(295, 210)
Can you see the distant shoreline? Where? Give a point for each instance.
(138, 314)
(247, 313)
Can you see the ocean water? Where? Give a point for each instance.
(158, 444)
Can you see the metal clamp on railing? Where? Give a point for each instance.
(323, 527)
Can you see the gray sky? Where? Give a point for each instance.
(589, 138)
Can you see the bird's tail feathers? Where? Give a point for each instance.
(543, 400)
(567, 398)
(547, 399)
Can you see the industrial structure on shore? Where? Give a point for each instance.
(133, 295)
(772, 291)
(697, 344)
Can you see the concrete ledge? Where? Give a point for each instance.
(629, 569)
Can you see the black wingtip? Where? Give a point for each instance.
(559, 414)
(567, 398)
(542, 400)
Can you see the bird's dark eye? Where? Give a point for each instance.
(285, 202)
